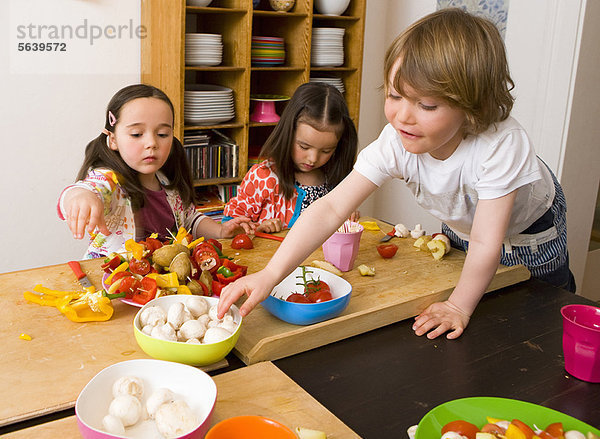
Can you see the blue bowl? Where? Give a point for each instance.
(308, 313)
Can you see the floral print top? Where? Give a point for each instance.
(118, 212)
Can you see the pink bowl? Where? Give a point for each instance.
(188, 383)
(581, 341)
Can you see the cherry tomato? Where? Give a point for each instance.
(312, 286)
(387, 250)
(242, 241)
(527, 431)
(139, 266)
(146, 292)
(320, 296)
(120, 275)
(298, 298)
(462, 427)
(205, 257)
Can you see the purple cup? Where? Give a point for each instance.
(581, 341)
(341, 249)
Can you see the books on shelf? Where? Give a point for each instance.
(211, 154)
(212, 199)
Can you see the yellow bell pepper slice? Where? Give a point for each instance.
(514, 432)
(92, 307)
(181, 233)
(168, 280)
(369, 225)
(136, 249)
(124, 266)
(183, 289)
(195, 242)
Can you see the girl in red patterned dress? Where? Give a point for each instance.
(312, 149)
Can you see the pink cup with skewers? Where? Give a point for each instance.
(341, 248)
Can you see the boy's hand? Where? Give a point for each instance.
(270, 226)
(84, 211)
(441, 317)
(234, 226)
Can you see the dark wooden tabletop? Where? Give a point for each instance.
(386, 380)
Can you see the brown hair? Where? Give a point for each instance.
(322, 107)
(98, 155)
(458, 57)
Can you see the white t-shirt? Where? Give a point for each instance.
(487, 166)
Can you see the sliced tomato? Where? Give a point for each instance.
(493, 428)
(242, 241)
(387, 251)
(128, 285)
(555, 430)
(120, 275)
(146, 292)
(205, 257)
(461, 427)
(297, 298)
(139, 266)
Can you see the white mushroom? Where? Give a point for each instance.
(193, 341)
(212, 323)
(417, 232)
(192, 329)
(175, 419)
(204, 319)
(178, 314)
(452, 435)
(148, 329)
(164, 332)
(158, 398)
(572, 434)
(153, 315)
(212, 313)
(113, 425)
(127, 408)
(401, 231)
(128, 385)
(197, 306)
(215, 335)
(227, 324)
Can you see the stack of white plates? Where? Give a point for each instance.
(205, 104)
(327, 47)
(336, 82)
(203, 49)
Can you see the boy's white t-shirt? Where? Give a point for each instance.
(484, 166)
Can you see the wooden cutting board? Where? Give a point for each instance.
(46, 374)
(261, 389)
(402, 287)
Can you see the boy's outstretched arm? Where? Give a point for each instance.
(313, 227)
(485, 247)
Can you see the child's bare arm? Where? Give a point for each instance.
(84, 211)
(487, 234)
(313, 227)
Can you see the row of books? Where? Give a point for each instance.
(212, 199)
(211, 154)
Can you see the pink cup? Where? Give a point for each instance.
(341, 249)
(581, 341)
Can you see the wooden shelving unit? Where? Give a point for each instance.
(163, 58)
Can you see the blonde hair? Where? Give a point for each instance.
(456, 56)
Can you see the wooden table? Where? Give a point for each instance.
(384, 381)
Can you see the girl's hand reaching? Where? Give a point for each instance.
(441, 317)
(234, 226)
(256, 286)
(84, 211)
(270, 226)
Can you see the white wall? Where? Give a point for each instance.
(54, 104)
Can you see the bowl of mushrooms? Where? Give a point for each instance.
(146, 398)
(185, 329)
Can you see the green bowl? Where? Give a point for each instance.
(475, 410)
(186, 353)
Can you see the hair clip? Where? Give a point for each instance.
(112, 120)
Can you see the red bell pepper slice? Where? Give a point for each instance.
(109, 266)
(216, 288)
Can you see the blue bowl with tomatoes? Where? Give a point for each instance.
(302, 297)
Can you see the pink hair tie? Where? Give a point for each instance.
(112, 120)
